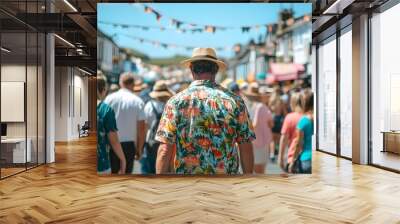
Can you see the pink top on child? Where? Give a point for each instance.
(289, 129)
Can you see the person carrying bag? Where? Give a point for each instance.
(153, 111)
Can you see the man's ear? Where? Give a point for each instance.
(191, 70)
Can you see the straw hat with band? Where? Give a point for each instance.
(160, 90)
(207, 54)
(252, 90)
(138, 86)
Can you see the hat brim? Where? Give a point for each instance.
(252, 94)
(187, 62)
(160, 94)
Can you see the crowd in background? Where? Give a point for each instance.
(282, 117)
(129, 114)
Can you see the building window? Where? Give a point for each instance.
(346, 93)
(22, 65)
(327, 95)
(385, 89)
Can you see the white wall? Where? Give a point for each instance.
(70, 83)
(33, 127)
(14, 73)
(61, 103)
(79, 117)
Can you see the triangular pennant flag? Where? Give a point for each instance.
(270, 28)
(178, 24)
(290, 22)
(245, 29)
(158, 15)
(199, 30)
(148, 9)
(210, 29)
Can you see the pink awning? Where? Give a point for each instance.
(285, 71)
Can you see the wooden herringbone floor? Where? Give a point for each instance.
(69, 191)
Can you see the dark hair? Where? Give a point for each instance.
(307, 100)
(101, 82)
(204, 66)
(233, 86)
(127, 79)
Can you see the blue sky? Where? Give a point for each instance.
(217, 14)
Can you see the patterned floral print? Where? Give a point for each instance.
(205, 121)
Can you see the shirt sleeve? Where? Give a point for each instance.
(302, 123)
(110, 123)
(257, 115)
(244, 130)
(149, 113)
(166, 132)
(142, 115)
(286, 125)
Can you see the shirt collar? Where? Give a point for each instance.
(125, 90)
(203, 83)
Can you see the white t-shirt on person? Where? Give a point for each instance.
(149, 112)
(128, 109)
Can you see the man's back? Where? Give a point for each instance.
(205, 121)
(128, 110)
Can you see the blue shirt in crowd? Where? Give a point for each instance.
(105, 123)
(306, 126)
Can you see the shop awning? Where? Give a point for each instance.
(284, 71)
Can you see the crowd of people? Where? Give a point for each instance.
(283, 123)
(202, 127)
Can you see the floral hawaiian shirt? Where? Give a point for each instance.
(205, 121)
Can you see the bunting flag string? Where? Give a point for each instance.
(126, 26)
(208, 29)
(166, 45)
(213, 28)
